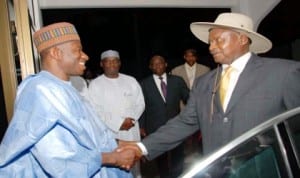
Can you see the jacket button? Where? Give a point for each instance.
(225, 119)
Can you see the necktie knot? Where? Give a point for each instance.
(228, 70)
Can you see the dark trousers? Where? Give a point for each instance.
(170, 164)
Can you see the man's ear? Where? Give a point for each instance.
(55, 53)
(244, 39)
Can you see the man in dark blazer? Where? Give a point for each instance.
(190, 70)
(159, 109)
(259, 89)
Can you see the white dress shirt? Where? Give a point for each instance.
(238, 65)
(191, 72)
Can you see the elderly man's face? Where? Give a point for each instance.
(225, 45)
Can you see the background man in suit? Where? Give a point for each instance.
(160, 108)
(189, 71)
(259, 89)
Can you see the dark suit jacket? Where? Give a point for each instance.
(157, 111)
(265, 88)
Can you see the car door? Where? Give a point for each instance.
(270, 150)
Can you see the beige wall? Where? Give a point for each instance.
(7, 64)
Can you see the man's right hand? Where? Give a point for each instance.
(130, 145)
(127, 124)
(122, 158)
(143, 132)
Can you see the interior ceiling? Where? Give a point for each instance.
(50, 4)
(281, 24)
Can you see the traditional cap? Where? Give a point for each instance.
(237, 22)
(54, 34)
(110, 53)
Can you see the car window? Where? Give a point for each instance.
(270, 150)
(258, 157)
(293, 125)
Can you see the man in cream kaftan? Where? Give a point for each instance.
(114, 99)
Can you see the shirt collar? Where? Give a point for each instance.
(164, 75)
(187, 66)
(240, 63)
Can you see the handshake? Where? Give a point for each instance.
(124, 156)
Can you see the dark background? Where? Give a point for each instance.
(139, 33)
(3, 119)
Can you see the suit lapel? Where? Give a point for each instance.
(184, 76)
(248, 78)
(215, 89)
(212, 95)
(198, 70)
(169, 85)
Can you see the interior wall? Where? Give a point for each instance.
(7, 63)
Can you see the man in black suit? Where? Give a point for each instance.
(160, 107)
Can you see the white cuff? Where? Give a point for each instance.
(143, 148)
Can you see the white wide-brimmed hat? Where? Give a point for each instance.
(237, 22)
